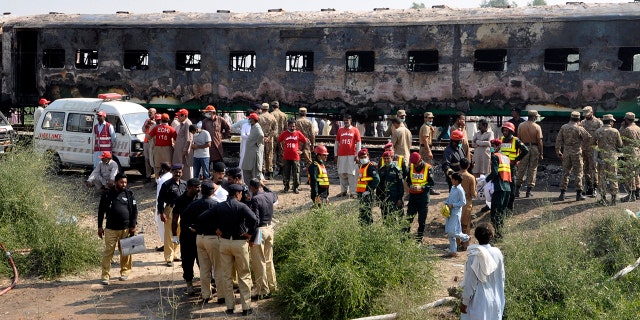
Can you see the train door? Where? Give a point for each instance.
(26, 68)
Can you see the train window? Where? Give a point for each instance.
(423, 61)
(188, 60)
(562, 59)
(490, 60)
(360, 61)
(244, 61)
(629, 58)
(86, 59)
(53, 58)
(136, 59)
(299, 61)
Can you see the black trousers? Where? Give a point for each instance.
(189, 253)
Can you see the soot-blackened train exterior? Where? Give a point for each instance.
(482, 61)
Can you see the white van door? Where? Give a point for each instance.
(50, 135)
(78, 142)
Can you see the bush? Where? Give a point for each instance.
(329, 266)
(40, 212)
(564, 274)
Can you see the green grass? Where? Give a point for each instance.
(38, 212)
(330, 266)
(564, 273)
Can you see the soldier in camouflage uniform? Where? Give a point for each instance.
(630, 135)
(270, 128)
(306, 127)
(569, 142)
(281, 125)
(591, 124)
(607, 140)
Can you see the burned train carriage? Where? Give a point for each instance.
(482, 61)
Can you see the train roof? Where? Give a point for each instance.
(327, 18)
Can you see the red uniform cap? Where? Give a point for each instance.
(388, 145)
(495, 142)
(157, 117)
(102, 113)
(165, 117)
(44, 101)
(105, 154)
(457, 135)
(253, 116)
(182, 112)
(363, 152)
(415, 158)
(387, 154)
(209, 108)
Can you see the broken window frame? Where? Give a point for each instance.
(360, 61)
(238, 61)
(423, 61)
(490, 60)
(561, 59)
(135, 60)
(629, 58)
(299, 61)
(86, 59)
(188, 60)
(53, 58)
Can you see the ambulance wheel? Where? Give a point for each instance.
(55, 163)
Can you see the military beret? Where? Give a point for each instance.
(235, 188)
(177, 166)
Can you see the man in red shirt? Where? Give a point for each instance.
(164, 135)
(345, 149)
(292, 142)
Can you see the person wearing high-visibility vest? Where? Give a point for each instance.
(502, 178)
(420, 181)
(368, 180)
(105, 137)
(318, 177)
(390, 189)
(515, 150)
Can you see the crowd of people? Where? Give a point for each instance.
(222, 217)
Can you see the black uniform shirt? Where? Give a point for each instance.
(234, 218)
(262, 204)
(169, 192)
(120, 208)
(191, 216)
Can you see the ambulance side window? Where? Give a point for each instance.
(53, 121)
(115, 122)
(79, 122)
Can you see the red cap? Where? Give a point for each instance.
(105, 154)
(182, 112)
(387, 154)
(512, 127)
(457, 135)
(388, 145)
(363, 152)
(321, 149)
(415, 158)
(253, 116)
(102, 113)
(157, 117)
(165, 117)
(43, 101)
(209, 108)
(495, 142)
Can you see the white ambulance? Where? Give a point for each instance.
(65, 130)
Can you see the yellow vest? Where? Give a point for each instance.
(419, 179)
(504, 167)
(323, 177)
(509, 149)
(363, 179)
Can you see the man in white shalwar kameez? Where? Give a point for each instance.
(483, 293)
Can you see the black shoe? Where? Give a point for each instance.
(434, 192)
(286, 189)
(229, 311)
(220, 301)
(257, 297)
(160, 249)
(296, 191)
(247, 312)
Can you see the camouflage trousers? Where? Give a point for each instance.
(528, 167)
(267, 166)
(608, 176)
(571, 163)
(590, 168)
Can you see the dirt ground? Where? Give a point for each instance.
(155, 291)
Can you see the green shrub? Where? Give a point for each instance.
(564, 273)
(329, 266)
(40, 212)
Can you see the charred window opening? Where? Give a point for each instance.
(423, 61)
(562, 59)
(299, 61)
(188, 60)
(86, 59)
(360, 61)
(136, 59)
(490, 60)
(53, 58)
(244, 61)
(630, 58)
